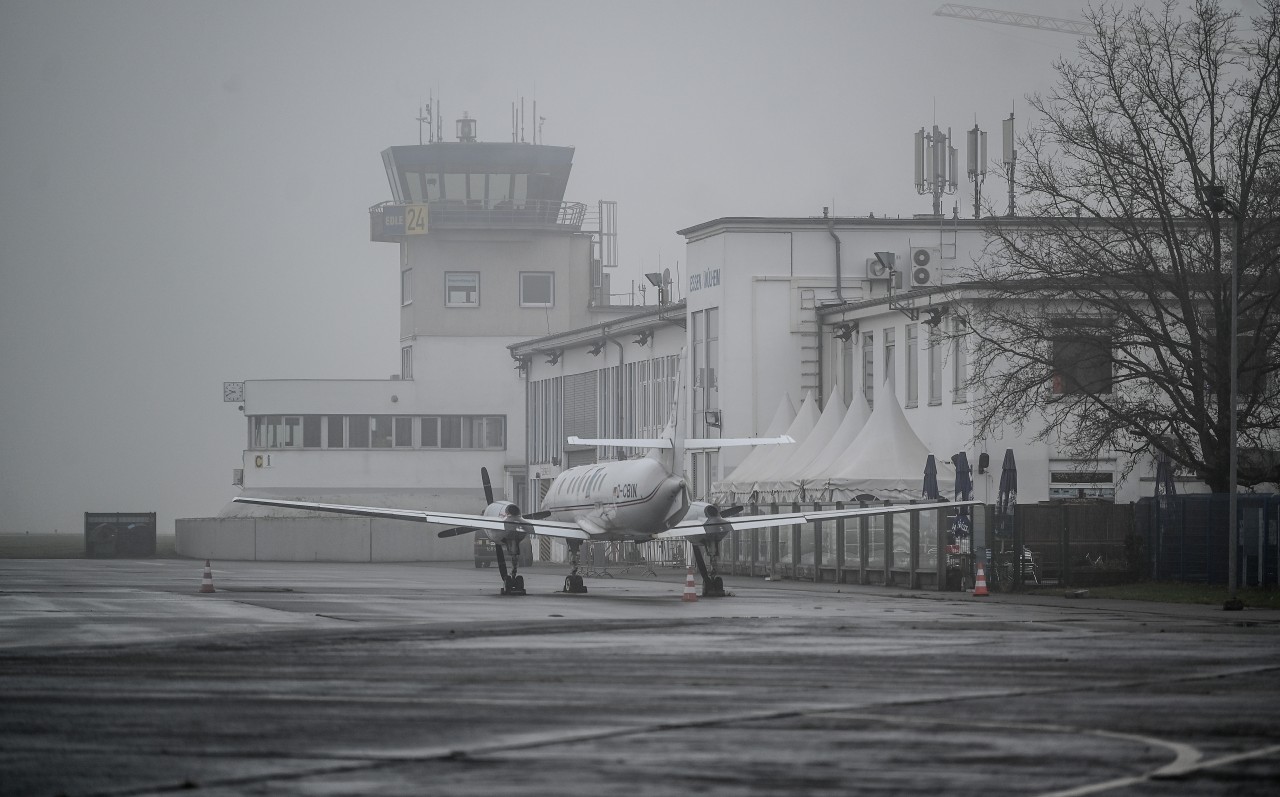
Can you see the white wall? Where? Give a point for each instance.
(317, 539)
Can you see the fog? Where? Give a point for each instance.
(184, 186)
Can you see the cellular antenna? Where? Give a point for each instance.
(1010, 158)
(977, 163)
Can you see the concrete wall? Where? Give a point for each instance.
(326, 539)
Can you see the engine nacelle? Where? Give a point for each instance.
(514, 529)
(501, 509)
(716, 525)
(701, 510)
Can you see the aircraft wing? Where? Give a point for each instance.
(697, 526)
(550, 528)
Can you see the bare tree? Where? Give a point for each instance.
(1104, 309)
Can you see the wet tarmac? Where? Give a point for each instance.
(120, 678)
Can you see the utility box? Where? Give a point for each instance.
(119, 535)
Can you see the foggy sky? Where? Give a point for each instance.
(184, 185)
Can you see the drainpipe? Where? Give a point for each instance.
(621, 356)
(831, 228)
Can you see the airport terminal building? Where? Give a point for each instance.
(509, 344)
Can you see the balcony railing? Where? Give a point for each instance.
(387, 219)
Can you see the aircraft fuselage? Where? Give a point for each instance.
(627, 500)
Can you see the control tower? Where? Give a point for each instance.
(488, 245)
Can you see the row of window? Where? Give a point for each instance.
(483, 432)
(629, 401)
(935, 350)
(486, 190)
(462, 288)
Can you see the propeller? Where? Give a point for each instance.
(731, 511)
(488, 497)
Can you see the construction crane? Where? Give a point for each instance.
(1014, 18)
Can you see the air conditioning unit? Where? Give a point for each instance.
(237, 477)
(926, 267)
(876, 270)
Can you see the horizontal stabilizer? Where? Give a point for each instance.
(724, 442)
(642, 442)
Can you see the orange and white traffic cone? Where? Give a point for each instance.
(980, 588)
(690, 590)
(206, 583)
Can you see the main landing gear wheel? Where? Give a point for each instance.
(514, 586)
(712, 584)
(713, 588)
(573, 581)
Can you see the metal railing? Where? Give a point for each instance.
(483, 214)
(905, 549)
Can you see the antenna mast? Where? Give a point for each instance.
(977, 162)
(1010, 158)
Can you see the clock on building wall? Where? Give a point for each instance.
(233, 391)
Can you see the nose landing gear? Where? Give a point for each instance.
(512, 584)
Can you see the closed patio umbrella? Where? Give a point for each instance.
(1007, 498)
(930, 488)
(964, 492)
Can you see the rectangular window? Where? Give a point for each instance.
(406, 286)
(358, 430)
(451, 431)
(455, 187)
(935, 365)
(336, 438)
(406, 362)
(500, 191)
(380, 431)
(521, 192)
(712, 359)
(310, 431)
(431, 432)
(403, 432)
(889, 356)
(959, 353)
(475, 188)
(868, 368)
(462, 289)
(1081, 358)
(913, 367)
(277, 431)
(495, 432)
(537, 289)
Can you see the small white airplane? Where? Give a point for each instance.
(632, 500)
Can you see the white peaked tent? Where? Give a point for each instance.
(743, 481)
(886, 459)
(785, 473)
(823, 465)
(782, 419)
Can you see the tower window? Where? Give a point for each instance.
(462, 289)
(537, 289)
